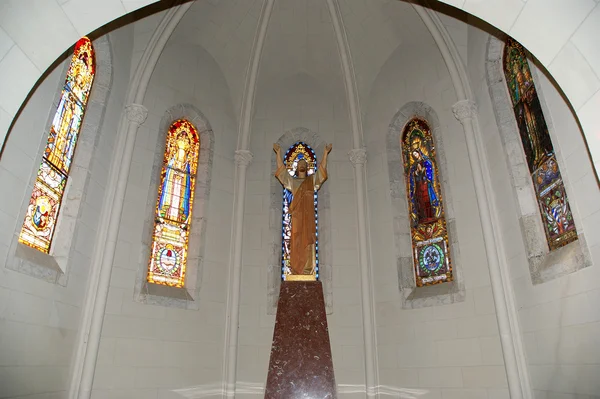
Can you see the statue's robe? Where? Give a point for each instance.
(302, 210)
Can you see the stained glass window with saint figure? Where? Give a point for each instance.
(431, 253)
(44, 204)
(557, 218)
(173, 213)
(294, 154)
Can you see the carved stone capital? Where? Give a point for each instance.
(136, 113)
(243, 157)
(358, 156)
(464, 110)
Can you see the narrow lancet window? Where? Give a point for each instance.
(297, 152)
(431, 254)
(555, 211)
(49, 187)
(173, 213)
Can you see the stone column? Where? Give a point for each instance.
(243, 158)
(358, 157)
(135, 115)
(466, 113)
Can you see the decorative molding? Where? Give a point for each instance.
(513, 353)
(366, 279)
(357, 156)
(136, 113)
(243, 158)
(464, 110)
(92, 320)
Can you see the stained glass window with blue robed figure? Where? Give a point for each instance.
(173, 213)
(431, 252)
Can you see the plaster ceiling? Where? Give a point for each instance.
(300, 51)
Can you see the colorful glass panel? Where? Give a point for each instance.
(174, 206)
(294, 154)
(42, 213)
(431, 253)
(557, 217)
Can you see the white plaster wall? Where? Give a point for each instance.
(151, 351)
(441, 351)
(559, 320)
(301, 86)
(38, 319)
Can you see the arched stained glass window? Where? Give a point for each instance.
(549, 188)
(44, 205)
(296, 152)
(431, 253)
(173, 212)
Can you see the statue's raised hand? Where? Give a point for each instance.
(328, 148)
(276, 148)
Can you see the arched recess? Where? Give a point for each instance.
(187, 296)
(440, 294)
(544, 265)
(275, 213)
(54, 267)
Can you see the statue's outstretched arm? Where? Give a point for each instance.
(277, 150)
(328, 148)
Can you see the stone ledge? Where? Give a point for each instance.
(37, 264)
(560, 262)
(164, 295)
(433, 295)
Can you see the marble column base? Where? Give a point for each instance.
(301, 364)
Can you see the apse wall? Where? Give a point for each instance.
(300, 94)
(161, 346)
(39, 319)
(559, 320)
(435, 344)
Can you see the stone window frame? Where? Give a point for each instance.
(414, 297)
(315, 141)
(185, 297)
(54, 266)
(544, 265)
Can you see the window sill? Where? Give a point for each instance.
(560, 262)
(37, 264)
(433, 295)
(164, 295)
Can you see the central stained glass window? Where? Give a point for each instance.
(294, 154)
(431, 254)
(173, 213)
(49, 187)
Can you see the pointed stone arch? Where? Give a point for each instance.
(186, 297)
(413, 297)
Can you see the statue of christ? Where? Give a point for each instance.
(303, 187)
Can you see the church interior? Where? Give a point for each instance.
(149, 231)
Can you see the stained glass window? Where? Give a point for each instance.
(541, 159)
(173, 214)
(294, 154)
(431, 253)
(44, 205)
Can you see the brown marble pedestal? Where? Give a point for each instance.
(301, 365)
